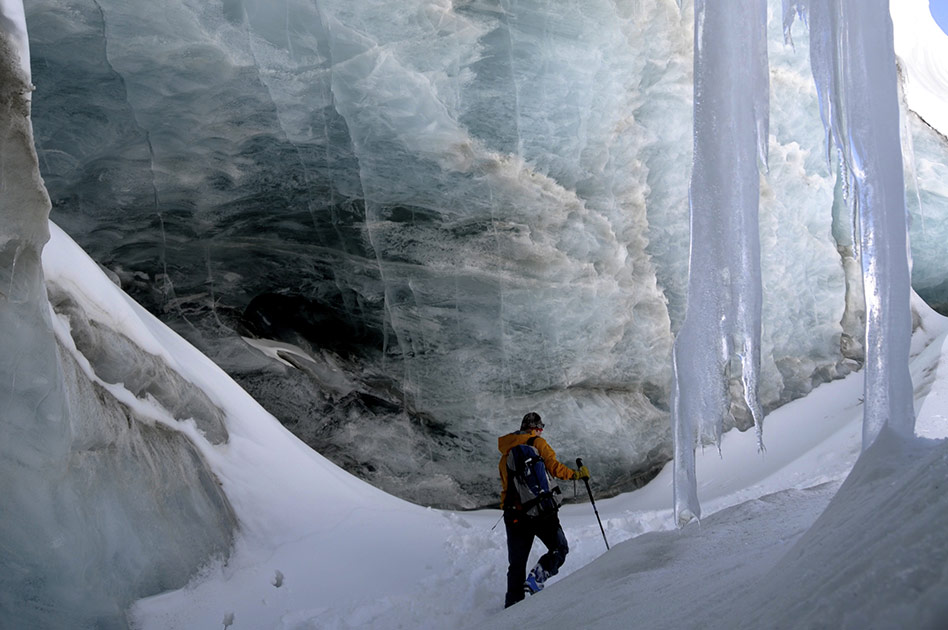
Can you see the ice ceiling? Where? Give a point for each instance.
(401, 224)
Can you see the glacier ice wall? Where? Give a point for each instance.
(100, 504)
(431, 216)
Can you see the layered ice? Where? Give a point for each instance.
(94, 472)
(128, 458)
(445, 214)
(459, 279)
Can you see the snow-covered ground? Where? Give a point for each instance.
(876, 557)
(320, 549)
(922, 47)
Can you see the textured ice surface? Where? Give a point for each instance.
(95, 493)
(13, 24)
(720, 338)
(468, 209)
(926, 231)
(854, 69)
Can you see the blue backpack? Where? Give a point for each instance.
(528, 482)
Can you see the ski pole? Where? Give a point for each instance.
(579, 464)
(497, 523)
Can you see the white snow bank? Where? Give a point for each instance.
(307, 528)
(876, 557)
(417, 568)
(318, 548)
(923, 48)
(13, 22)
(672, 579)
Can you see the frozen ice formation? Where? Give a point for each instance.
(443, 214)
(91, 486)
(854, 69)
(720, 337)
(401, 224)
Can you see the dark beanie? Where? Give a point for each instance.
(531, 421)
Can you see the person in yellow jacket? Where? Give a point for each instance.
(521, 528)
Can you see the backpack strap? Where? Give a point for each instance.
(543, 495)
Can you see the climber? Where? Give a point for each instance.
(530, 506)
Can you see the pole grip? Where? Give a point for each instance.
(579, 464)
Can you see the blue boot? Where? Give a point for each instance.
(535, 579)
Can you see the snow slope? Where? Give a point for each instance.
(319, 549)
(875, 558)
(922, 47)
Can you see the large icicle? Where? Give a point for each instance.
(721, 332)
(853, 61)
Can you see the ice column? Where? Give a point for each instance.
(30, 380)
(721, 332)
(853, 62)
(33, 406)
(100, 504)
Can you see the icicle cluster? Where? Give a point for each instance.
(853, 65)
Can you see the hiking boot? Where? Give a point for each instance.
(535, 579)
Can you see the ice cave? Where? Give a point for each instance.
(275, 274)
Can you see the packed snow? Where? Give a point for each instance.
(807, 533)
(319, 549)
(523, 167)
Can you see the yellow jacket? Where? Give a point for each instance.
(507, 442)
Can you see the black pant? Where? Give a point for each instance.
(521, 530)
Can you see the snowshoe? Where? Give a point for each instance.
(535, 579)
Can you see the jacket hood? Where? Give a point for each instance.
(507, 442)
